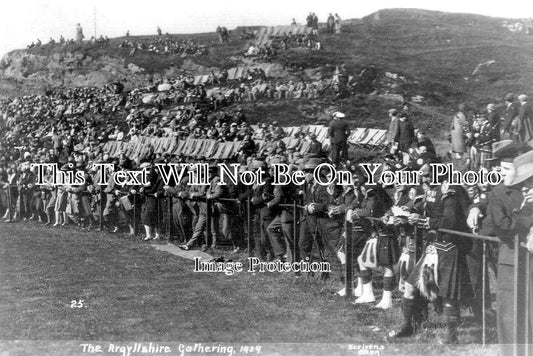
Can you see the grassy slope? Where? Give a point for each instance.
(133, 292)
(437, 53)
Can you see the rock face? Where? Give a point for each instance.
(70, 69)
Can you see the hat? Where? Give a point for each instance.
(27, 155)
(523, 165)
(79, 147)
(393, 111)
(338, 114)
(144, 165)
(509, 97)
(507, 150)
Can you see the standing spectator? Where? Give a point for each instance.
(330, 23)
(509, 219)
(57, 141)
(494, 121)
(219, 33)
(511, 124)
(525, 113)
(482, 143)
(150, 214)
(392, 133)
(406, 135)
(338, 133)
(309, 20)
(458, 129)
(315, 24)
(79, 33)
(338, 24)
(223, 212)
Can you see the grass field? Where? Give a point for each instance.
(131, 291)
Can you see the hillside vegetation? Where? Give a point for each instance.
(415, 52)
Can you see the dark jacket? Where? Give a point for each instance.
(502, 217)
(525, 113)
(510, 112)
(406, 134)
(338, 131)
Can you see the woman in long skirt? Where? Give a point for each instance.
(151, 210)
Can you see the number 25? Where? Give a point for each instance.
(76, 304)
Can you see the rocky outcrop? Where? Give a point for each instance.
(69, 69)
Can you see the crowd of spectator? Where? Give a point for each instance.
(164, 45)
(397, 227)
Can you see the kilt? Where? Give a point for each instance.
(388, 250)
(452, 271)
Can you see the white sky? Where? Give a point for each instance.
(23, 21)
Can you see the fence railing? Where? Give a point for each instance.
(518, 307)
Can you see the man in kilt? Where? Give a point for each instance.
(442, 270)
(369, 201)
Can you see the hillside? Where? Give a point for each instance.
(415, 53)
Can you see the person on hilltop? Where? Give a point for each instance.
(309, 20)
(338, 24)
(330, 23)
(79, 33)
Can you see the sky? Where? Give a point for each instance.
(23, 21)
